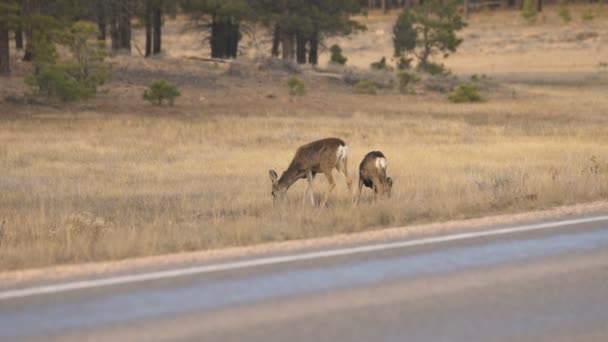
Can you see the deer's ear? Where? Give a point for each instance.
(273, 176)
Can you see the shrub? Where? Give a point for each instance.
(73, 79)
(435, 69)
(467, 92)
(406, 80)
(366, 87)
(587, 15)
(296, 86)
(161, 90)
(381, 65)
(563, 11)
(56, 82)
(336, 55)
(528, 11)
(404, 63)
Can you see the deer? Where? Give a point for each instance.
(372, 174)
(320, 156)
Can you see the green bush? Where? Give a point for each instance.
(161, 90)
(563, 11)
(467, 92)
(336, 55)
(55, 81)
(75, 78)
(366, 87)
(528, 11)
(435, 69)
(587, 15)
(381, 65)
(296, 86)
(406, 80)
(404, 63)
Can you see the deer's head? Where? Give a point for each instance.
(278, 191)
(389, 186)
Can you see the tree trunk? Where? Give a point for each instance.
(276, 40)
(288, 46)
(235, 32)
(158, 24)
(313, 54)
(301, 48)
(5, 67)
(465, 9)
(125, 30)
(148, 23)
(19, 39)
(384, 7)
(539, 6)
(101, 20)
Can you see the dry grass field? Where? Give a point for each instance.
(116, 177)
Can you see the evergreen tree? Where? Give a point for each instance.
(224, 18)
(428, 29)
(9, 19)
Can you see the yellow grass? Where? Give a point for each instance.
(119, 178)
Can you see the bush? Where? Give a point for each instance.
(366, 87)
(55, 82)
(435, 69)
(381, 65)
(406, 80)
(161, 90)
(73, 79)
(296, 86)
(336, 55)
(528, 11)
(404, 63)
(587, 15)
(468, 92)
(563, 11)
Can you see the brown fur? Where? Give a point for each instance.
(319, 156)
(374, 177)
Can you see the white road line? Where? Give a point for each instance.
(127, 279)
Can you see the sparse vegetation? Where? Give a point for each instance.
(528, 12)
(160, 91)
(406, 80)
(296, 86)
(467, 92)
(366, 87)
(114, 178)
(336, 55)
(587, 15)
(381, 65)
(563, 11)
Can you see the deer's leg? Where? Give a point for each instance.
(359, 192)
(332, 185)
(378, 189)
(311, 190)
(342, 167)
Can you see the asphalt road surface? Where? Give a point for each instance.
(537, 282)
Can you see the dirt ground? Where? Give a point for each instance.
(115, 177)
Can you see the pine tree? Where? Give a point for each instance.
(428, 29)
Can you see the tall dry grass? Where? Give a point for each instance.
(80, 187)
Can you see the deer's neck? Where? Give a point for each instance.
(290, 176)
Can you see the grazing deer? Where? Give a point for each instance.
(372, 174)
(320, 156)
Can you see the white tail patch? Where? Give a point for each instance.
(380, 163)
(342, 153)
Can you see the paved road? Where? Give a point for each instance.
(540, 282)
